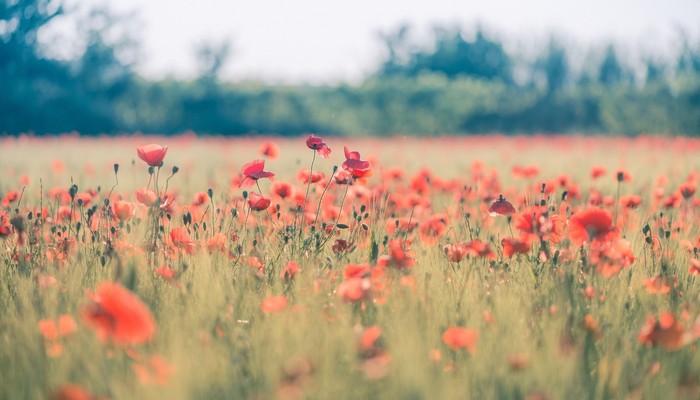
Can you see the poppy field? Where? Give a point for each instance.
(485, 267)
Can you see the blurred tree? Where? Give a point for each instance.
(611, 72)
(554, 66)
(453, 56)
(397, 47)
(211, 58)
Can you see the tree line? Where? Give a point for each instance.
(464, 82)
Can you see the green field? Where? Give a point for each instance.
(193, 296)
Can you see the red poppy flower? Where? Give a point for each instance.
(660, 284)
(156, 371)
(694, 267)
(397, 257)
(69, 391)
(152, 154)
(353, 164)
(539, 222)
(254, 171)
(526, 172)
(123, 210)
(592, 224)
(610, 258)
(623, 176)
(282, 189)
(146, 196)
(354, 289)
(181, 239)
(477, 248)
(118, 315)
(458, 337)
(455, 252)
(290, 271)
(512, 246)
(501, 207)
(304, 176)
(597, 172)
(667, 332)
(273, 304)
(258, 202)
(341, 246)
(631, 201)
(369, 337)
(316, 143)
(270, 149)
(686, 189)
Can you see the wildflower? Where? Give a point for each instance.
(660, 284)
(369, 337)
(694, 267)
(592, 326)
(258, 202)
(357, 167)
(156, 371)
(146, 197)
(354, 289)
(526, 172)
(270, 149)
(305, 177)
(69, 391)
(458, 337)
(477, 248)
(397, 257)
(597, 172)
(165, 272)
(623, 176)
(316, 143)
(538, 222)
(667, 332)
(180, 239)
(512, 246)
(118, 315)
(53, 332)
(686, 189)
(592, 224)
(253, 171)
(152, 154)
(631, 201)
(455, 252)
(501, 207)
(341, 246)
(282, 189)
(610, 258)
(273, 304)
(290, 270)
(123, 210)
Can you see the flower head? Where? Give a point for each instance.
(316, 143)
(501, 207)
(152, 154)
(258, 202)
(458, 337)
(118, 315)
(590, 225)
(357, 167)
(253, 171)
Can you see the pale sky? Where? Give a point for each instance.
(323, 40)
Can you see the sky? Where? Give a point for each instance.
(323, 41)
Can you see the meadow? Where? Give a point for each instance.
(487, 267)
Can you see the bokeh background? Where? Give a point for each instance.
(349, 68)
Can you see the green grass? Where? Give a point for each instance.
(220, 344)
